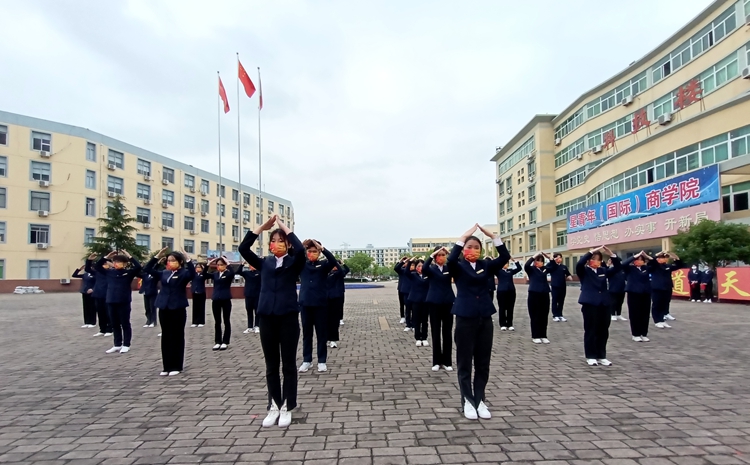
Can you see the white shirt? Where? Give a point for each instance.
(440, 267)
(280, 260)
(497, 242)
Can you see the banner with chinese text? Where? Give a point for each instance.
(733, 283)
(682, 191)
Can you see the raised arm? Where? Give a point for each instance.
(136, 266)
(150, 267)
(616, 263)
(246, 250)
(581, 265)
(496, 264)
(517, 269)
(77, 272)
(529, 266)
(331, 260)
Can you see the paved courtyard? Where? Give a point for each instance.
(683, 398)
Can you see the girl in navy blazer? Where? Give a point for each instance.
(198, 290)
(172, 304)
(221, 301)
(473, 309)
(638, 287)
(707, 285)
(252, 293)
(119, 295)
(694, 280)
(538, 299)
(417, 296)
(88, 280)
(506, 296)
(336, 291)
(616, 285)
(149, 289)
(400, 288)
(439, 302)
(278, 311)
(661, 286)
(404, 268)
(99, 295)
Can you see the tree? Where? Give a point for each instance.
(359, 263)
(383, 271)
(117, 233)
(713, 242)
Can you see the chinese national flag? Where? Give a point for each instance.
(245, 80)
(223, 95)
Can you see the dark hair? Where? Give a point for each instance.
(597, 254)
(557, 254)
(539, 258)
(177, 256)
(310, 244)
(120, 258)
(418, 261)
(473, 238)
(281, 234)
(221, 259)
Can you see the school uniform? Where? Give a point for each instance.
(439, 302)
(251, 293)
(661, 287)
(119, 296)
(638, 287)
(595, 305)
(313, 298)
(221, 304)
(149, 289)
(559, 285)
(88, 281)
(694, 280)
(420, 313)
(707, 284)
(506, 295)
(473, 310)
(278, 311)
(616, 288)
(538, 299)
(336, 291)
(400, 288)
(198, 290)
(405, 290)
(100, 298)
(172, 304)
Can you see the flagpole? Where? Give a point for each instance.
(239, 158)
(221, 242)
(260, 166)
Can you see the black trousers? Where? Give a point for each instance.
(538, 303)
(149, 302)
(708, 292)
(639, 308)
(441, 324)
(660, 304)
(314, 319)
(420, 317)
(89, 309)
(408, 314)
(596, 321)
(615, 302)
(558, 300)
(506, 302)
(173, 337)
(251, 306)
(473, 339)
(105, 323)
(222, 307)
(279, 336)
(335, 315)
(401, 303)
(695, 291)
(121, 329)
(199, 309)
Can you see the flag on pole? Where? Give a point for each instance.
(223, 95)
(245, 80)
(260, 87)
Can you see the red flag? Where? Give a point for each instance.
(223, 95)
(260, 86)
(245, 80)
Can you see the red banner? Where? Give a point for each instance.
(681, 287)
(733, 283)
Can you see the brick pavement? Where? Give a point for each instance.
(682, 399)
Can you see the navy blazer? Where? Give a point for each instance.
(278, 286)
(441, 287)
(472, 298)
(707, 276)
(172, 294)
(661, 275)
(538, 276)
(100, 284)
(312, 281)
(335, 286)
(559, 275)
(149, 283)
(616, 282)
(252, 282)
(505, 278)
(119, 281)
(198, 284)
(404, 277)
(594, 280)
(696, 276)
(88, 281)
(222, 284)
(420, 285)
(638, 277)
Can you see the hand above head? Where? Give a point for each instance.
(469, 232)
(111, 254)
(92, 256)
(282, 226)
(161, 253)
(266, 226)
(317, 244)
(606, 249)
(127, 254)
(487, 233)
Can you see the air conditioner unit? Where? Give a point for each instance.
(44, 154)
(627, 100)
(236, 238)
(246, 205)
(192, 211)
(164, 205)
(531, 154)
(111, 194)
(558, 141)
(665, 119)
(43, 183)
(245, 221)
(165, 182)
(746, 73)
(597, 149)
(204, 214)
(41, 245)
(579, 156)
(270, 210)
(192, 189)
(236, 202)
(146, 225)
(147, 201)
(509, 190)
(111, 167)
(164, 227)
(65, 281)
(193, 232)
(204, 193)
(146, 177)
(531, 178)
(237, 220)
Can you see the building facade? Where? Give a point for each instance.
(57, 179)
(382, 256)
(682, 108)
(418, 246)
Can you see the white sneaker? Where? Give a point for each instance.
(247, 331)
(193, 326)
(614, 318)
(107, 334)
(645, 339)
(304, 367)
(669, 317)
(637, 339)
(256, 330)
(511, 328)
(469, 411)
(708, 301)
(285, 417)
(666, 325)
(562, 318)
(592, 362)
(216, 347)
(158, 335)
(692, 300)
(503, 328)
(406, 329)
(660, 325)
(621, 318)
(322, 367)
(419, 343)
(536, 341)
(98, 334)
(402, 320)
(173, 373)
(334, 344)
(164, 373)
(125, 350)
(341, 322)
(449, 368)
(223, 347)
(151, 325)
(84, 326)
(146, 325)
(200, 326)
(113, 350)
(436, 368)
(545, 340)
(555, 319)
(605, 362)
(425, 344)
(483, 411)
(272, 417)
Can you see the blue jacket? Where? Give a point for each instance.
(616, 282)
(149, 283)
(198, 284)
(222, 284)
(559, 275)
(173, 294)
(707, 276)
(538, 276)
(312, 281)
(472, 298)
(278, 286)
(441, 288)
(505, 278)
(335, 286)
(100, 284)
(638, 278)
(88, 281)
(661, 275)
(252, 282)
(594, 281)
(119, 281)
(404, 279)
(420, 285)
(696, 276)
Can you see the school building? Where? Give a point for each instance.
(657, 147)
(381, 256)
(57, 179)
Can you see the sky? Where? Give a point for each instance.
(380, 118)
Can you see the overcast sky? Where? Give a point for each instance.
(380, 117)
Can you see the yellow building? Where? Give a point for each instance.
(57, 179)
(683, 107)
(382, 256)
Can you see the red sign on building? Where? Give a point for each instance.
(609, 139)
(689, 94)
(640, 120)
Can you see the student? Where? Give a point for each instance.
(638, 287)
(538, 299)
(400, 288)
(661, 286)
(558, 280)
(149, 289)
(473, 310)
(419, 311)
(172, 304)
(506, 295)
(336, 291)
(198, 289)
(221, 301)
(313, 299)
(439, 302)
(119, 295)
(99, 295)
(88, 281)
(694, 280)
(616, 289)
(707, 285)
(252, 292)
(278, 311)
(405, 268)
(595, 306)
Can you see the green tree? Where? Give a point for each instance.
(713, 242)
(383, 271)
(116, 232)
(359, 263)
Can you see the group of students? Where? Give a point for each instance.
(701, 284)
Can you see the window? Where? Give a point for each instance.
(531, 168)
(168, 175)
(235, 231)
(143, 215)
(510, 225)
(204, 248)
(220, 247)
(88, 235)
(235, 195)
(167, 197)
(520, 153)
(167, 242)
(143, 191)
(90, 151)
(574, 178)
(3, 135)
(167, 219)
(501, 209)
(719, 74)
(562, 238)
(144, 240)
(116, 158)
(204, 186)
(41, 142)
(3, 197)
(532, 216)
(615, 96)
(144, 167)
(2, 232)
(220, 210)
(38, 269)
(258, 218)
(270, 206)
(569, 125)
(40, 201)
(532, 193)
(509, 205)
(204, 206)
(41, 171)
(235, 213)
(188, 245)
(190, 181)
(257, 202)
(204, 226)
(189, 223)
(532, 242)
(246, 199)
(501, 187)
(221, 228)
(90, 206)
(569, 153)
(567, 207)
(502, 227)
(39, 234)
(90, 179)
(4, 167)
(190, 202)
(245, 216)
(221, 191)
(115, 185)
(735, 197)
